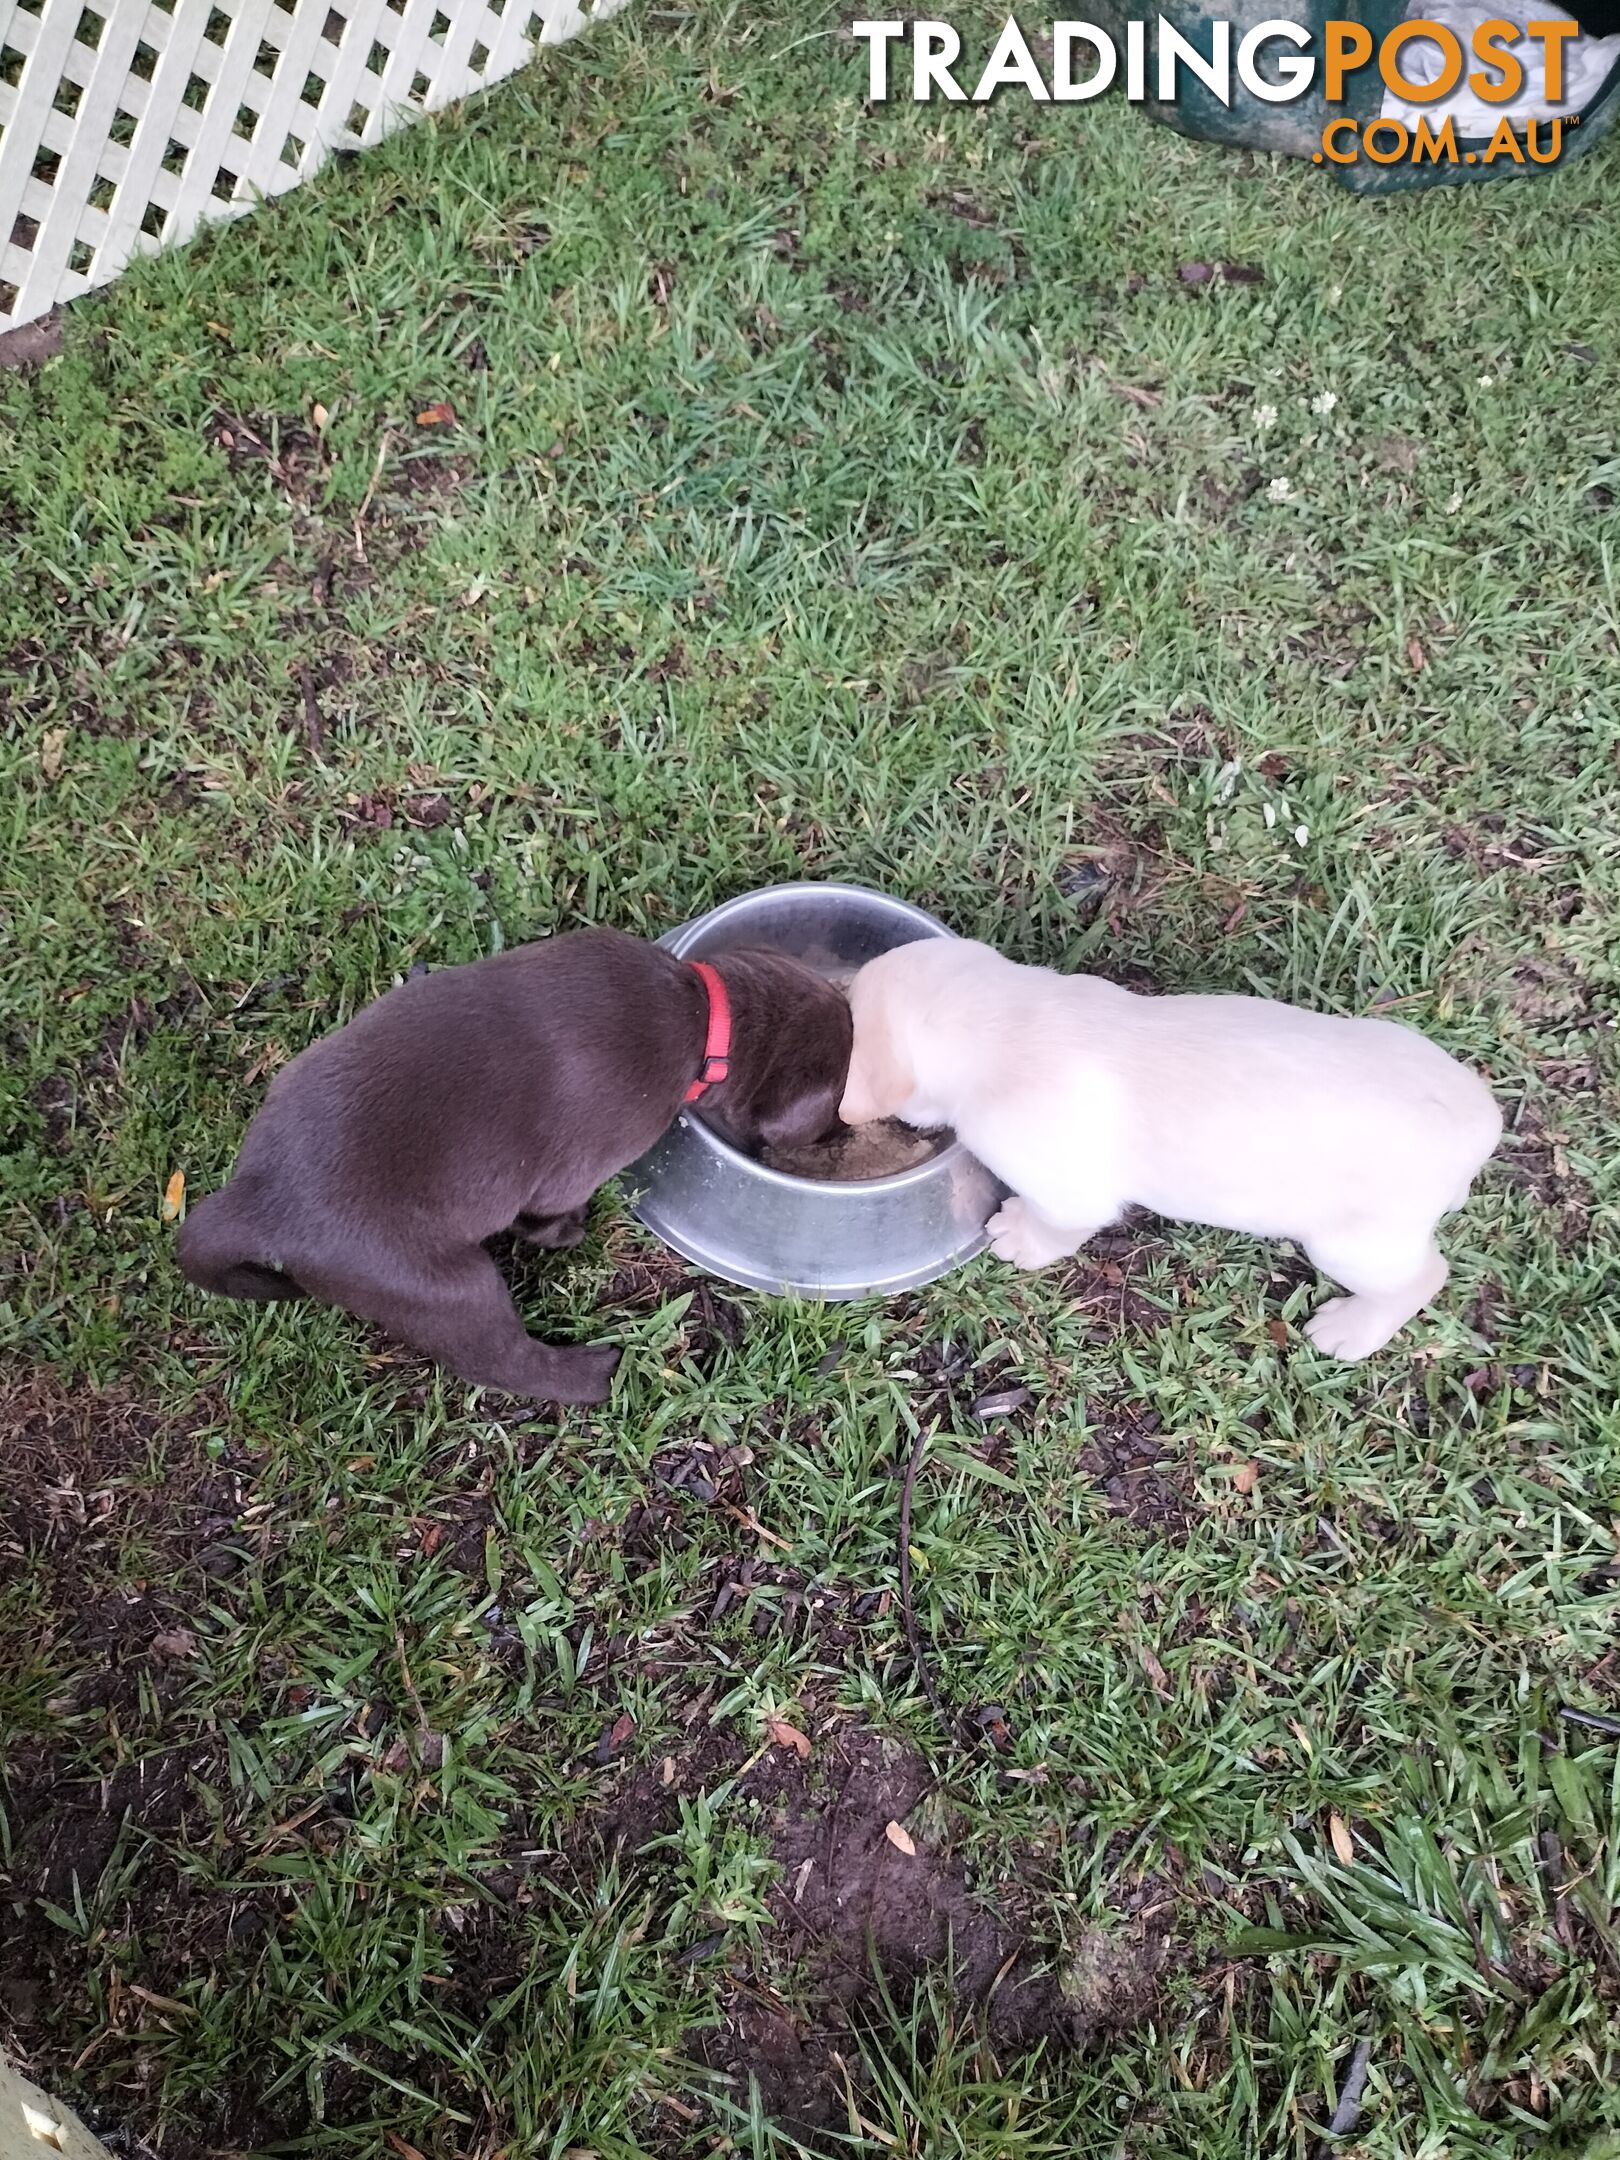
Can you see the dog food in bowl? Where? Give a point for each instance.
(855, 1153)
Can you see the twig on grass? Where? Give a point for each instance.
(907, 1615)
(383, 447)
(1593, 1720)
(422, 1725)
(314, 725)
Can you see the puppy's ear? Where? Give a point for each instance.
(880, 1078)
(795, 1108)
(797, 1103)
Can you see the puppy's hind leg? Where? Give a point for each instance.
(1391, 1273)
(459, 1312)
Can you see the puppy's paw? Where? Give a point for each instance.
(1018, 1237)
(580, 1376)
(1349, 1328)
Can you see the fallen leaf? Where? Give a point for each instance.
(430, 1540)
(174, 1197)
(318, 414)
(1136, 394)
(1001, 1404)
(1243, 273)
(1340, 1835)
(1248, 1477)
(614, 1736)
(158, 2002)
(405, 2151)
(750, 1521)
(1278, 1331)
(1414, 653)
(437, 416)
(1195, 273)
(51, 745)
(175, 1643)
(1156, 1673)
(786, 1735)
(900, 1840)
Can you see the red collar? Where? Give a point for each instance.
(717, 1042)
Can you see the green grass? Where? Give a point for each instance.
(832, 493)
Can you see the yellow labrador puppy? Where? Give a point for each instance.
(1352, 1137)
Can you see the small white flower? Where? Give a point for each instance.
(1265, 416)
(1301, 834)
(1268, 812)
(1485, 381)
(1324, 402)
(1281, 489)
(1454, 502)
(1335, 295)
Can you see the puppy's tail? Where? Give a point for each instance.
(218, 1250)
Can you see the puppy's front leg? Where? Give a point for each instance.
(1021, 1235)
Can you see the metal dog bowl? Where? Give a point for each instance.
(725, 1212)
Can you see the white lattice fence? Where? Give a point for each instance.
(125, 123)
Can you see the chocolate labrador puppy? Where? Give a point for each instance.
(500, 1096)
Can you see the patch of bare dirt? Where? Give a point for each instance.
(426, 477)
(67, 1830)
(712, 1324)
(1134, 1464)
(1103, 1284)
(1533, 1156)
(283, 443)
(98, 1475)
(422, 809)
(139, 1524)
(1549, 993)
(126, 1525)
(1494, 842)
(1120, 871)
(851, 1902)
(30, 345)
